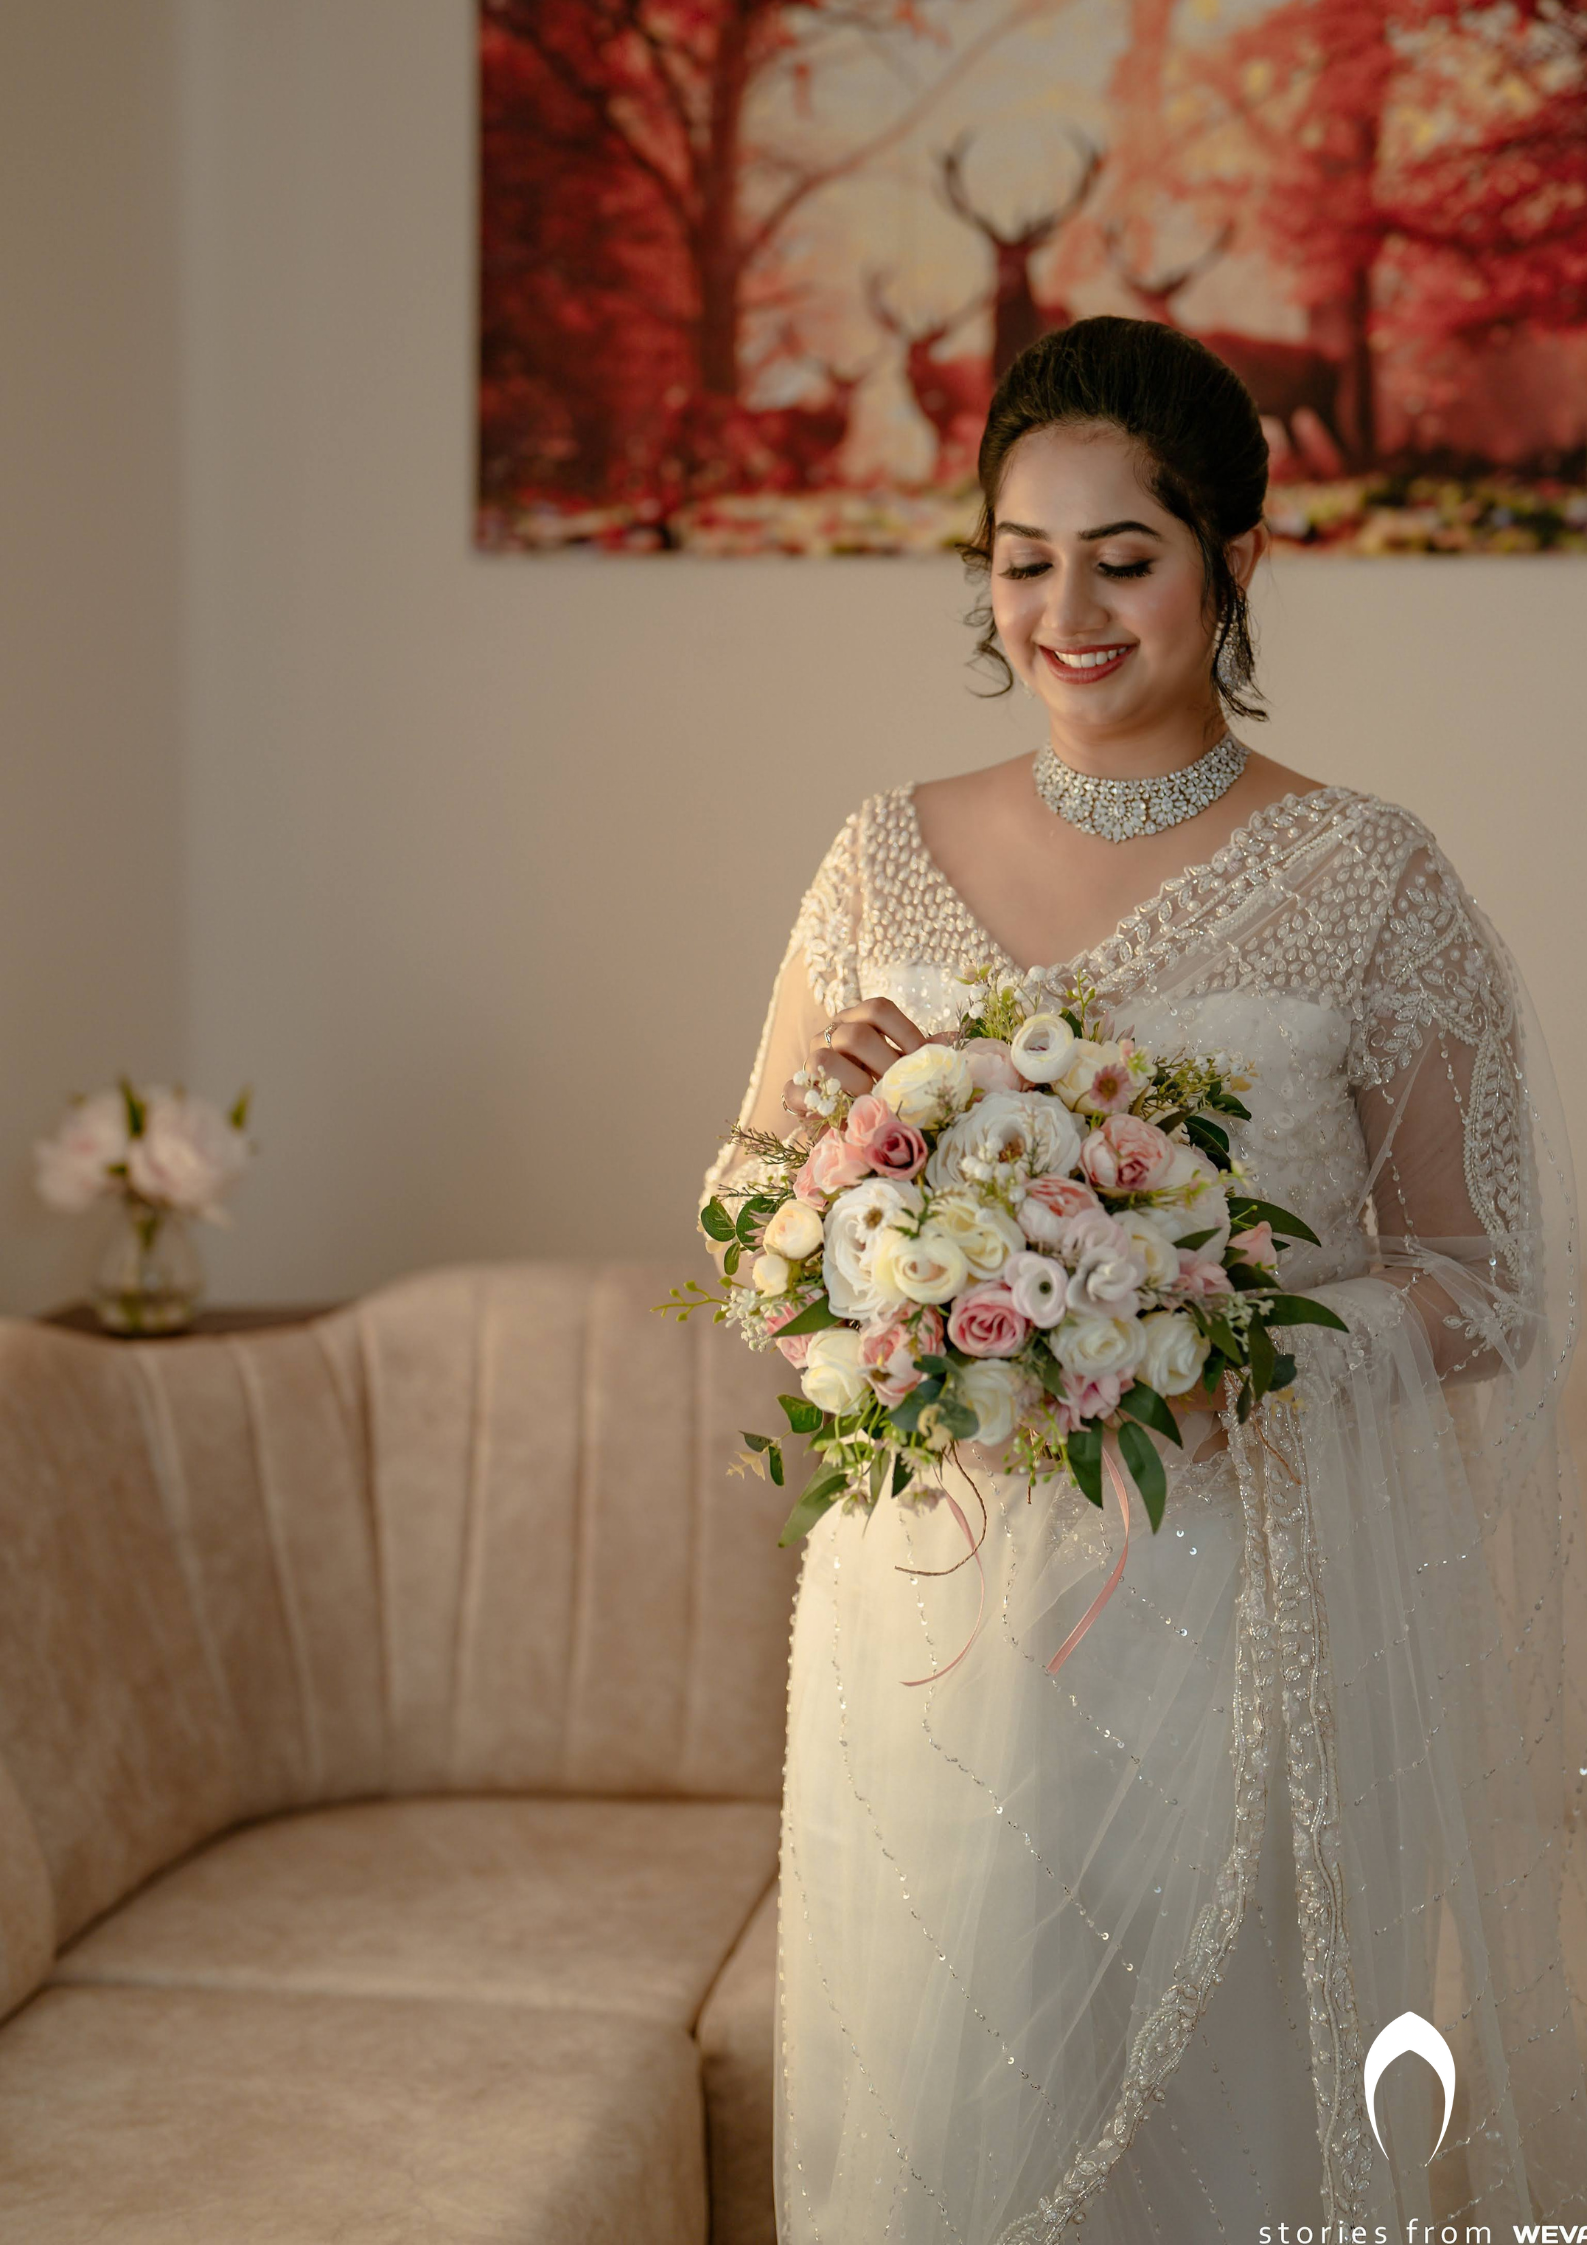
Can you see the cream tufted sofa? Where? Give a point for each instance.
(390, 1741)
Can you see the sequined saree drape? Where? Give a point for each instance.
(1113, 1944)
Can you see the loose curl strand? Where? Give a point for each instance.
(1197, 425)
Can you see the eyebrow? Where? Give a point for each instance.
(1107, 530)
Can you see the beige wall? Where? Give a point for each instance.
(90, 689)
(459, 827)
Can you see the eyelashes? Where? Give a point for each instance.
(1104, 568)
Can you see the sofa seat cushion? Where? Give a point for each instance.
(173, 2116)
(608, 1906)
(737, 2037)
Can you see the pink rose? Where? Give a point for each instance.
(1255, 1246)
(1087, 1396)
(889, 1147)
(889, 1348)
(1049, 1202)
(1201, 1281)
(984, 1322)
(798, 1348)
(991, 1065)
(831, 1167)
(1127, 1155)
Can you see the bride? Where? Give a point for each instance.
(1111, 1946)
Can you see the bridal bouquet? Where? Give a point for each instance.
(1029, 1237)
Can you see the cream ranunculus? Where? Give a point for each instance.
(1192, 1197)
(1173, 1352)
(833, 1378)
(1041, 1048)
(855, 1222)
(994, 1391)
(1088, 1345)
(795, 1231)
(770, 1274)
(1008, 1137)
(987, 1234)
(1081, 1062)
(930, 1267)
(928, 1086)
(1153, 1241)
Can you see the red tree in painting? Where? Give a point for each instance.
(1423, 169)
(632, 225)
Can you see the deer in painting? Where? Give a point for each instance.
(1294, 384)
(1018, 315)
(953, 394)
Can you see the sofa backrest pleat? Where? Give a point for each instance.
(474, 1533)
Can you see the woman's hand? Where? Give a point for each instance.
(859, 1045)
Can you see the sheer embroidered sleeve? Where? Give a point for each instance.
(818, 977)
(1436, 1069)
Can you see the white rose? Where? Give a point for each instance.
(770, 1274)
(1173, 1352)
(1153, 1241)
(795, 1231)
(71, 1169)
(832, 1378)
(1089, 1345)
(855, 1222)
(994, 1393)
(186, 1155)
(1010, 1135)
(1192, 1198)
(931, 1267)
(1041, 1049)
(927, 1086)
(987, 1234)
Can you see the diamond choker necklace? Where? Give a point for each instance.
(1118, 810)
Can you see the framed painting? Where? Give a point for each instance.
(750, 269)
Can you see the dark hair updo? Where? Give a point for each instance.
(1198, 426)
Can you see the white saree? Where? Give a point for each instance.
(1111, 1946)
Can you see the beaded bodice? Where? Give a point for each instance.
(1328, 943)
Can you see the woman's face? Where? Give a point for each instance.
(1098, 592)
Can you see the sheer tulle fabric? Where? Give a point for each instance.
(1113, 1944)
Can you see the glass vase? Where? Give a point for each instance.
(149, 1278)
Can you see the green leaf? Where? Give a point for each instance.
(1171, 1121)
(1283, 1373)
(1222, 1337)
(1244, 1212)
(137, 1113)
(715, 1221)
(1227, 1104)
(238, 1117)
(1193, 1240)
(1242, 1409)
(960, 1421)
(730, 1261)
(750, 1218)
(1147, 1405)
(903, 1474)
(1260, 1343)
(1083, 1449)
(758, 1442)
(937, 1364)
(819, 1496)
(774, 1463)
(819, 1315)
(1212, 1133)
(1052, 1373)
(1147, 1469)
(906, 1415)
(802, 1415)
(1300, 1309)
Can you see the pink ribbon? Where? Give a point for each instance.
(1112, 1583)
(911, 1683)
